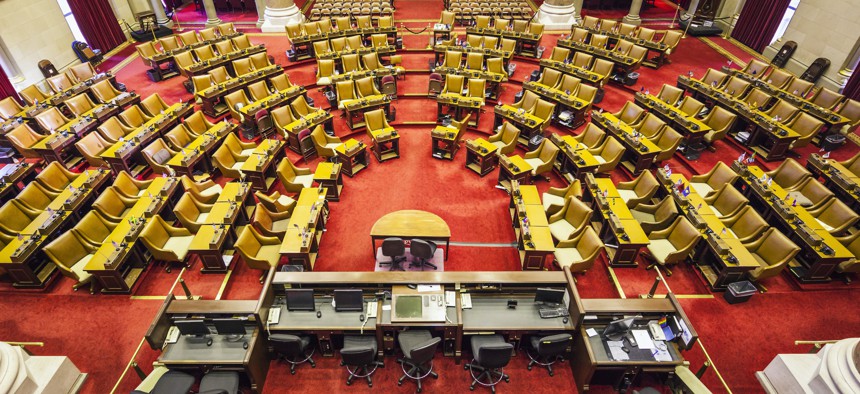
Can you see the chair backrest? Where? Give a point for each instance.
(421, 249)
(554, 345)
(358, 356)
(495, 356)
(425, 351)
(393, 247)
(286, 344)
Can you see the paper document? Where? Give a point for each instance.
(661, 353)
(615, 351)
(686, 335)
(428, 288)
(450, 299)
(643, 339)
(591, 332)
(466, 300)
(386, 307)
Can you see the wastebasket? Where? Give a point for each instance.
(832, 142)
(631, 79)
(739, 292)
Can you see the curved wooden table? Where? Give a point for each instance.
(410, 224)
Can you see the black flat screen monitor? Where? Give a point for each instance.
(196, 327)
(617, 329)
(227, 326)
(348, 300)
(549, 296)
(300, 300)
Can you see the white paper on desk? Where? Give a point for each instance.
(615, 351)
(386, 307)
(428, 288)
(643, 339)
(591, 332)
(686, 335)
(661, 353)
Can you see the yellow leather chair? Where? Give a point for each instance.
(104, 91)
(220, 74)
(235, 101)
(153, 105)
(130, 187)
(477, 88)
(201, 83)
(773, 251)
(113, 205)
(157, 154)
(133, 117)
(639, 190)
(746, 226)
(827, 98)
(350, 63)
(454, 84)
(207, 34)
(91, 147)
(242, 42)
(112, 130)
(583, 92)
(294, 178)
(261, 60)
(365, 87)
(204, 53)
(169, 43)
(80, 104)
(627, 29)
(55, 177)
(226, 29)
(570, 220)
(779, 78)
(835, 216)
(582, 59)
(719, 175)
(178, 137)
(569, 84)
(630, 113)
(590, 22)
(554, 198)
(852, 243)
(447, 18)
(60, 82)
(542, 158)
(189, 37)
(280, 82)
(32, 94)
(726, 201)
(82, 72)
(560, 54)
(325, 70)
(206, 191)
(9, 108)
(475, 61)
(191, 213)
(721, 122)
(671, 38)
(281, 118)
(52, 119)
(71, 256)
(578, 35)
(591, 136)
(789, 174)
(93, 229)
(608, 155)
(23, 138)
(276, 202)
(670, 94)
(807, 126)
(599, 40)
(452, 59)
(325, 144)
(243, 67)
(544, 111)
(735, 87)
(852, 164)
(603, 68)
(810, 194)
(756, 67)
(271, 224)
(166, 243)
(673, 244)
(197, 124)
(799, 87)
(668, 141)
(528, 102)
(15, 216)
(228, 163)
(345, 93)
(757, 98)
(580, 252)
(301, 108)
(36, 197)
(650, 126)
(690, 106)
(239, 148)
(655, 217)
(259, 252)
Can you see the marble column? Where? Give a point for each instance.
(577, 11)
(211, 14)
(633, 17)
(280, 13)
(691, 10)
(558, 14)
(261, 12)
(160, 16)
(10, 67)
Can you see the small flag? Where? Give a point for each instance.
(826, 155)
(794, 203)
(742, 157)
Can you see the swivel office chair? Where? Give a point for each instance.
(219, 382)
(418, 347)
(490, 355)
(165, 381)
(395, 249)
(422, 252)
(549, 349)
(359, 357)
(293, 349)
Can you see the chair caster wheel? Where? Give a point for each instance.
(292, 372)
(551, 374)
(529, 367)
(418, 391)
(507, 380)
(471, 388)
(370, 385)
(349, 383)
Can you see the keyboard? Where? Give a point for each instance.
(550, 313)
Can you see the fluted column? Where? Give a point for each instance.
(160, 16)
(261, 12)
(10, 67)
(280, 13)
(633, 16)
(558, 14)
(211, 14)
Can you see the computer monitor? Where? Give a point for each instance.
(300, 300)
(617, 329)
(192, 327)
(549, 296)
(348, 300)
(408, 307)
(229, 326)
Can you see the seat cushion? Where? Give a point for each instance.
(237, 165)
(567, 256)
(246, 152)
(213, 190)
(599, 159)
(800, 198)
(411, 339)
(270, 253)
(535, 162)
(702, 189)
(220, 380)
(179, 245)
(285, 200)
(717, 212)
(627, 194)
(305, 180)
(332, 145)
(499, 144)
(660, 249)
(643, 217)
(561, 229)
(173, 382)
(826, 226)
(162, 156)
(281, 225)
(78, 267)
(201, 218)
(550, 200)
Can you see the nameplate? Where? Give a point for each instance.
(809, 235)
(719, 246)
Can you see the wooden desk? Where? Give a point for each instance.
(639, 151)
(587, 76)
(513, 168)
(385, 144)
(529, 125)
(458, 106)
(60, 146)
(531, 227)
(198, 153)
(411, 224)
(566, 102)
(330, 178)
(444, 143)
(212, 96)
(440, 50)
(355, 109)
(493, 79)
(13, 179)
(310, 122)
(305, 229)
(260, 165)
(842, 182)
(80, 87)
(575, 160)
(481, 156)
(269, 102)
(353, 155)
(219, 231)
(693, 129)
(607, 201)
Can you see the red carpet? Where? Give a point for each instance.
(740, 339)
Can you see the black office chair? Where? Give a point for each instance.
(395, 249)
(359, 357)
(219, 382)
(418, 349)
(422, 252)
(171, 382)
(293, 349)
(490, 355)
(549, 349)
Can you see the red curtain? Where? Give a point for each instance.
(758, 22)
(6, 88)
(852, 88)
(98, 23)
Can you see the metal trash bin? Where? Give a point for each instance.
(832, 142)
(631, 79)
(694, 151)
(739, 292)
(292, 268)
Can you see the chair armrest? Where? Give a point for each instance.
(302, 171)
(269, 240)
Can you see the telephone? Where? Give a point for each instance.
(274, 316)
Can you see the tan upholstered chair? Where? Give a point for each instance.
(235, 101)
(691, 106)
(153, 105)
(852, 242)
(827, 98)
(258, 251)
(15, 217)
(32, 94)
(670, 94)
(227, 162)
(655, 217)
(527, 102)
(71, 255)
(608, 155)
(104, 91)
(554, 198)
(542, 158)
(23, 138)
(157, 154)
(52, 119)
(735, 87)
(133, 117)
(91, 147)
(639, 190)
(126, 185)
(570, 220)
(60, 82)
(630, 113)
(206, 191)
(673, 244)
(276, 202)
(789, 174)
(345, 93)
(807, 126)
(810, 194)
(505, 139)
(166, 243)
(197, 124)
(36, 197)
(191, 213)
(544, 110)
(113, 205)
(80, 104)
(9, 108)
(591, 136)
(668, 141)
(746, 226)
(726, 201)
(55, 177)
(756, 67)
(271, 224)
(580, 252)
(178, 137)
(721, 122)
(325, 144)
(83, 71)
(239, 148)
(835, 216)
(325, 70)
(650, 126)
(773, 251)
(850, 110)
(719, 175)
(112, 130)
(93, 229)
(294, 178)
